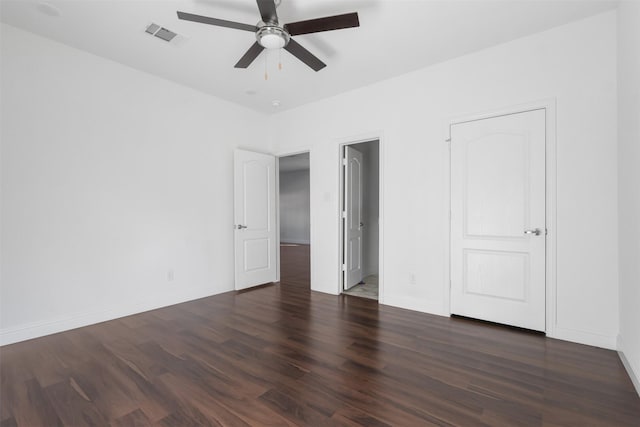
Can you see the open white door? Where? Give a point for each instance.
(498, 219)
(255, 218)
(353, 217)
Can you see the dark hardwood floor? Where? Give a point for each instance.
(283, 355)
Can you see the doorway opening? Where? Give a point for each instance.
(360, 214)
(294, 219)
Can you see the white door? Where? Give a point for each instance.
(353, 217)
(254, 218)
(498, 219)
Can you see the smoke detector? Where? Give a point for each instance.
(48, 9)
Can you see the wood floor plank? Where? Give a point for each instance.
(354, 418)
(282, 355)
(72, 408)
(9, 422)
(33, 407)
(136, 418)
(292, 408)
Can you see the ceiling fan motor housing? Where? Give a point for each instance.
(272, 37)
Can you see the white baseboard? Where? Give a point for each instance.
(634, 372)
(32, 330)
(415, 304)
(295, 241)
(582, 337)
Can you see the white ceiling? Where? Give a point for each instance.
(394, 37)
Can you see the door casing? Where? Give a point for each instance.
(342, 142)
(549, 105)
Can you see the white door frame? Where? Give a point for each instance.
(278, 156)
(342, 142)
(549, 105)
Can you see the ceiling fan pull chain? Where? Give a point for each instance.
(266, 75)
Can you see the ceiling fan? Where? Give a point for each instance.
(271, 35)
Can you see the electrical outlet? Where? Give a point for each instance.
(412, 279)
(170, 275)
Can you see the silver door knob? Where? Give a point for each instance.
(240, 226)
(535, 231)
(361, 224)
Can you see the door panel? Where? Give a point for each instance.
(487, 272)
(255, 223)
(257, 180)
(353, 212)
(496, 187)
(256, 254)
(497, 194)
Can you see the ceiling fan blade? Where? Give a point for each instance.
(250, 56)
(268, 11)
(304, 55)
(338, 22)
(217, 22)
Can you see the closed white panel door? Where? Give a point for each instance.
(498, 219)
(353, 217)
(255, 219)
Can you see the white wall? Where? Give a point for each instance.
(111, 179)
(629, 183)
(576, 65)
(294, 206)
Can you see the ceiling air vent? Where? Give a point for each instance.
(160, 32)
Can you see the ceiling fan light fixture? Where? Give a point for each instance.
(272, 37)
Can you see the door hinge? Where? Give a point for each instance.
(344, 162)
(448, 140)
(344, 214)
(344, 267)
